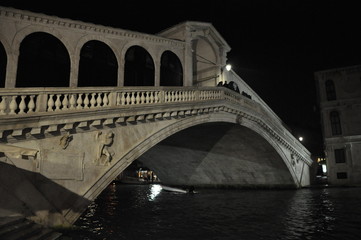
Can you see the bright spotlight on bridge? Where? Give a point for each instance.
(300, 138)
(228, 67)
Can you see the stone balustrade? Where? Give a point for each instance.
(21, 101)
(18, 104)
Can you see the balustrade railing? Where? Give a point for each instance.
(22, 101)
(31, 101)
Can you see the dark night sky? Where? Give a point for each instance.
(276, 45)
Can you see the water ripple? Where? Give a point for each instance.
(147, 212)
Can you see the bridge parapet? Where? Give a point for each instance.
(21, 102)
(35, 108)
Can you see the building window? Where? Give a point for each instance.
(335, 123)
(342, 175)
(340, 156)
(330, 90)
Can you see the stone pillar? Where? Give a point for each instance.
(188, 60)
(74, 70)
(11, 69)
(121, 62)
(157, 71)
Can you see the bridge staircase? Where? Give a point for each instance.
(20, 228)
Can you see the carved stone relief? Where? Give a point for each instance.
(65, 140)
(104, 154)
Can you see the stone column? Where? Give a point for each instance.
(157, 71)
(11, 69)
(74, 70)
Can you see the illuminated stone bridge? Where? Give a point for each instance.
(72, 122)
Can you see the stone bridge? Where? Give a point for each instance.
(61, 146)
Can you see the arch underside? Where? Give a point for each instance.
(218, 154)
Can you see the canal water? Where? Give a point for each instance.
(147, 212)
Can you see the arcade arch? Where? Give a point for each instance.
(138, 68)
(171, 71)
(43, 62)
(97, 66)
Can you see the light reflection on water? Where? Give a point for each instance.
(146, 211)
(154, 191)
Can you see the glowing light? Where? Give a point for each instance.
(324, 168)
(300, 138)
(154, 191)
(228, 67)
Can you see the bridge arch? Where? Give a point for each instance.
(237, 149)
(98, 65)
(276, 167)
(283, 153)
(43, 62)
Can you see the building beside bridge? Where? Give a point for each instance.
(340, 104)
(79, 102)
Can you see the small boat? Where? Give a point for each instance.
(179, 190)
(173, 189)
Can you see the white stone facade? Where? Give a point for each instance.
(340, 105)
(61, 146)
(192, 39)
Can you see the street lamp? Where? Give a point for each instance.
(300, 138)
(228, 67)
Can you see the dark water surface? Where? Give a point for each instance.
(147, 212)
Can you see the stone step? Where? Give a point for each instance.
(12, 226)
(46, 234)
(6, 222)
(20, 228)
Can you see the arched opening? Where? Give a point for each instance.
(138, 68)
(218, 154)
(205, 67)
(3, 63)
(97, 66)
(171, 71)
(137, 173)
(43, 62)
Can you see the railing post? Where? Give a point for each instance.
(41, 102)
(196, 95)
(162, 96)
(112, 98)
